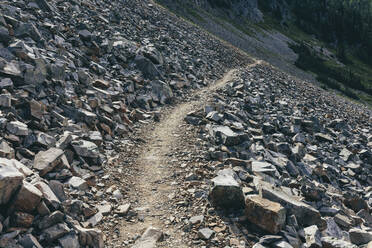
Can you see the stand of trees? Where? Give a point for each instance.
(343, 22)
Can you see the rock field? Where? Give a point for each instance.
(124, 126)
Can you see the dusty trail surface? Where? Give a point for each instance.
(155, 183)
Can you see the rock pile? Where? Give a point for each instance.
(74, 78)
(300, 158)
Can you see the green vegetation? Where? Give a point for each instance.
(341, 27)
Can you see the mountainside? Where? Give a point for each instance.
(123, 125)
(330, 40)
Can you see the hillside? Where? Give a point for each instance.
(324, 41)
(123, 125)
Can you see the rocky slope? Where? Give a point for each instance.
(84, 85)
(75, 78)
(294, 159)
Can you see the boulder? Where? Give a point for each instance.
(305, 214)
(268, 215)
(226, 191)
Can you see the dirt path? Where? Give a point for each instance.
(154, 184)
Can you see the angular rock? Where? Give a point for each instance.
(17, 128)
(313, 237)
(77, 183)
(20, 219)
(29, 241)
(27, 198)
(85, 148)
(69, 241)
(51, 219)
(123, 209)
(205, 233)
(46, 161)
(305, 214)
(10, 180)
(226, 191)
(5, 150)
(55, 232)
(330, 242)
(268, 215)
(49, 197)
(149, 238)
(360, 237)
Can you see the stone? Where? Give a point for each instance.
(5, 150)
(313, 237)
(29, 241)
(359, 236)
(55, 232)
(27, 198)
(6, 83)
(123, 209)
(268, 215)
(48, 195)
(305, 214)
(85, 148)
(148, 69)
(282, 244)
(196, 219)
(69, 241)
(95, 219)
(161, 92)
(226, 191)
(323, 137)
(10, 180)
(20, 219)
(104, 208)
(51, 219)
(46, 161)
(224, 135)
(264, 167)
(149, 238)
(17, 128)
(5, 100)
(330, 242)
(102, 84)
(205, 233)
(90, 237)
(77, 183)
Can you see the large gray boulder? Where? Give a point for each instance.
(226, 191)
